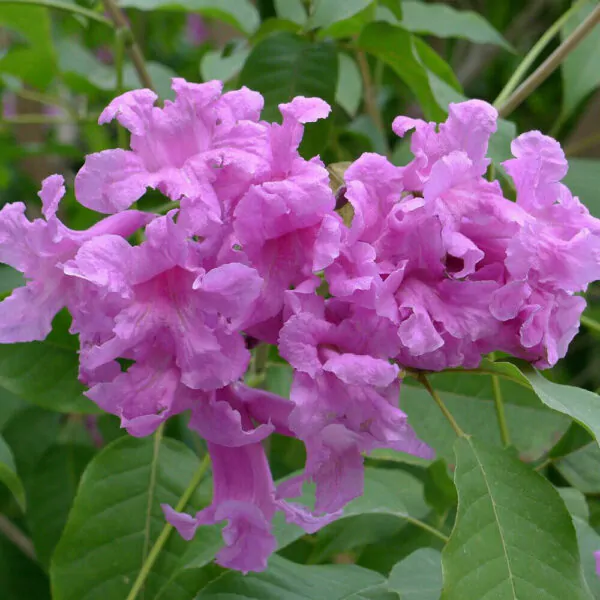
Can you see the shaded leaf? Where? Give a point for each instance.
(582, 180)
(285, 580)
(291, 10)
(285, 65)
(394, 46)
(582, 469)
(513, 537)
(8, 474)
(51, 490)
(470, 398)
(20, 577)
(419, 576)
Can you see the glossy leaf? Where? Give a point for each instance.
(285, 580)
(239, 13)
(8, 474)
(419, 576)
(445, 21)
(285, 65)
(51, 490)
(580, 67)
(513, 537)
(116, 518)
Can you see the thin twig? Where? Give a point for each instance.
(438, 400)
(537, 49)
(550, 64)
(370, 94)
(137, 58)
(590, 323)
(17, 537)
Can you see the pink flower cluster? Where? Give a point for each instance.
(436, 269)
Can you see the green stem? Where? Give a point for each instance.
(43, 120)
(370, 96)
(500, 414)
(549, 65)
(436, 532)
(120, 38)
(164, 534)
(590, 323)
(137, 58)
(438, 400)
(537, 49)
(65, 7)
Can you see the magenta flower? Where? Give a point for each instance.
(39, 249)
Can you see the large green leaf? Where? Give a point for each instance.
(447, 22)
(513, 537)
(582, 179)
(291, 10)
(470, 398)
(45, 374)
(239, 13)
(394, 46)
(51, 489)
(580, 68)
(8, 474)
(285, 65)
(285, 580)
(419, 576)
(116, 518)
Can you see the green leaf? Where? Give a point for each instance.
(8, 474)
(51, 490)
(35, 62)
(291, 10)
(285, 65)
(216, 66)
(20, 577)
(580, 68)
(394, 46)
(44, 374)
(581, 469)
(589, 542)
(513, 537)
(582, 180)
(285, 580)
(440, 492)
(582, 405)
(328, 12)
(419, 576)
(116, 518)
(350, 87)
(241, 14)
(445, 21)
(393, 496)
(271, 26)
(470, 398)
